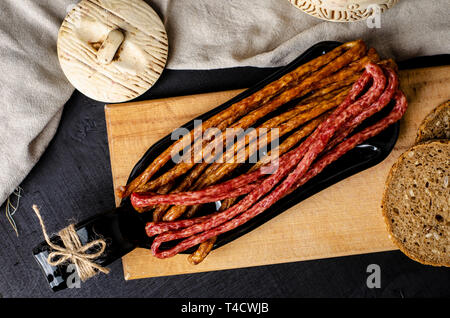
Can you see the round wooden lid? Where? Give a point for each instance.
(112, 50)
(343, 10)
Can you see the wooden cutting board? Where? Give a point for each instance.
(343, 219)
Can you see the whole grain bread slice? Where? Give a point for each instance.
(436, 124)
(416, 203)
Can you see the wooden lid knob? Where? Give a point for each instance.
(109, 47)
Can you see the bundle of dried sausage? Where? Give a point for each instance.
(317, 88)
(295, 167)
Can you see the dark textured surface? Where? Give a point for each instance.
(73, 181)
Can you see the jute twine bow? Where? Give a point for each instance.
(74, 251)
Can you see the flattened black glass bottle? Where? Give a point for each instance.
(123, 229)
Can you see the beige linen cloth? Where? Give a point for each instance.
(203, 34)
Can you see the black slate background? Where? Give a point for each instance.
(72, 181)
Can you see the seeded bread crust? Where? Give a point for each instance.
(416, 203)
(436, 124)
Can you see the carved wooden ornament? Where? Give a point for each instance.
(343, 10)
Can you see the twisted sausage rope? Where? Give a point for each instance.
(318, 142)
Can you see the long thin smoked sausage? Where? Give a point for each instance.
(285, 146)
(203, 179)
(309, 103)
(146, 199)
(397, 112)
(199, 255)
(210, 194)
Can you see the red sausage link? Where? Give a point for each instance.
(190, 198)
(228, 189)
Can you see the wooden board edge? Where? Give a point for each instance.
(107, 109)
(129, 276)
(143, 102)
